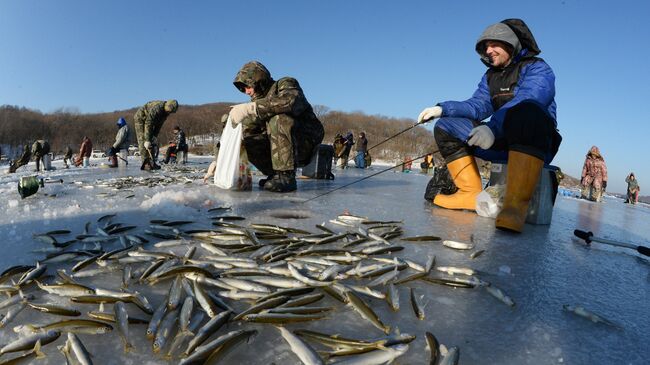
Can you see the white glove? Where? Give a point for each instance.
(429, 114)
(147, 144)
(481, 136)
(241, 111)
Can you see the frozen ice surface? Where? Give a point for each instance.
(548, 266)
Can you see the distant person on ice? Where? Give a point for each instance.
(67, 157)
(281, 131)
(362, 150)
(179, 144)
(345, 156)
(85, 151)
(121, 142)
(149, 119)
(633, 189)
(517, 94)
(21, 161)
(40, 148)
(594, 176)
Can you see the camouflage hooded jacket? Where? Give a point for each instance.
(152, 115)
(274, 97)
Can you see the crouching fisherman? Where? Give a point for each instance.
(280, 130)
(21, 161)
(517, 92)
(121, 143)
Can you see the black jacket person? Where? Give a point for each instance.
(281, 131)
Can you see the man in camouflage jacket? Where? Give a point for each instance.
(40, 148)
(281, 131)
(149, 119)
(22, 160)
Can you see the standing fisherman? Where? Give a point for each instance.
(281, 131)
(40, 148)
(121, 142)
(149, 119)
(67, 157)
(85, 151)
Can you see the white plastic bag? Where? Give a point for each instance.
(490, 201)
(232, 165)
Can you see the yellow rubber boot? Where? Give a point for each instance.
(523, 175)
(464, 172)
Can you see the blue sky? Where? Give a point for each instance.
(379, 57)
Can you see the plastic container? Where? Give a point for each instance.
(47, 162)
(540, 209)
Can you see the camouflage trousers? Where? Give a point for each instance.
(139, 132)
(281, 143)
(15, 164)
(591, 193)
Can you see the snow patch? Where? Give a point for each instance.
(174, 203)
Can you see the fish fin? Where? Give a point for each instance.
(37, 350)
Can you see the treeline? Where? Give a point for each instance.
(20, 125)
(65, 127)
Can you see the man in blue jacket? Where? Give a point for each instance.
(517, 94)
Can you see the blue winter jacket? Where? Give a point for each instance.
(536, 83)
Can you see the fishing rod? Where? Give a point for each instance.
(120, 157)
(589, 237)
(368, 177)
(389, 138)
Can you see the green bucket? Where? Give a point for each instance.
(29, 185)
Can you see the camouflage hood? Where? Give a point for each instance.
(255, 75)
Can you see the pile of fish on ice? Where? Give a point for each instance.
(253, 274)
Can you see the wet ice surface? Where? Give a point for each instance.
(541, 270)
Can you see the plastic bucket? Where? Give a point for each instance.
(86, 162)
(28, 185)
(47, 162)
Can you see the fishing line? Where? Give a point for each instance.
(368, 177)
(389, 138)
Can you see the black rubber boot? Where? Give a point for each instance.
(146, 165)
(152, 161)
(282, 182)
(112, 161)
(263, 182)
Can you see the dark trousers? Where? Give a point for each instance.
(527, 128)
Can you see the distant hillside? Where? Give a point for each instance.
(570, 182)
(66, 127)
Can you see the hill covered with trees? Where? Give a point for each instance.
(66, 127)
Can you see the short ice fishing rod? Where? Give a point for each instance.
(589, 237)
(368, 177)
(389, 138)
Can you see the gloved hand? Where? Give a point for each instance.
(147, 145)
(604, 185)
(429, 114)
(481, 136)
(241, 111)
